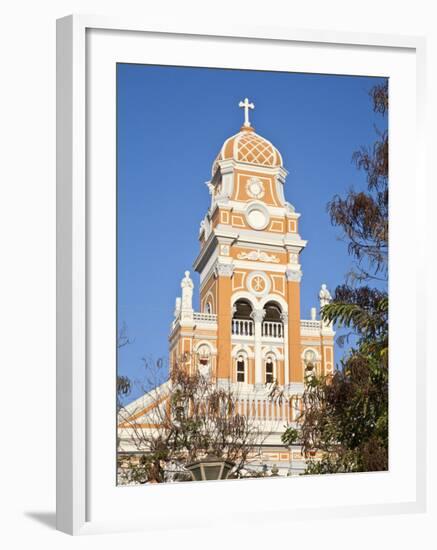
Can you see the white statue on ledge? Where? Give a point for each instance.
(324, 296)
(187, 292)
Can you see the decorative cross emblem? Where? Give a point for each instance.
(258, 284)
(246, 106)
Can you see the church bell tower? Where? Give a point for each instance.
(249, 330)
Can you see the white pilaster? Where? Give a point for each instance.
(284, 318)
(258, 316)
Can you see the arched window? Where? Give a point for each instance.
(270, 370)
(273, 312)
(309, 359)
(208, 307)
(242, 323)
(241, 369)
(204, 359)
(242, 309)
(272, 323)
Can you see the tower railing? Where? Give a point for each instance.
(265, 409)
(242, 327)
(259, 408)
(205, 317)
(273, 329)
(310, 326)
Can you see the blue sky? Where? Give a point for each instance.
(171, 123)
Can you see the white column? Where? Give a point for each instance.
(258, 316)
(284, 318)
(177, 308)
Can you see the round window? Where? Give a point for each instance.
(257, 218)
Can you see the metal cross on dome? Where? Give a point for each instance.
(246, 106)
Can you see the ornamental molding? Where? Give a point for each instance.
(293, 275)
(224, 249)
(223, 270)
(240, 207)
(258, 315)
(284, 318)
(258, 283)
(293, 258)
(255, 255)
(255, 188)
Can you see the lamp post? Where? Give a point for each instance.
(210, 468)
(290, 467)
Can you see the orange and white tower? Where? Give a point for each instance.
(248, 334)
(249, 331)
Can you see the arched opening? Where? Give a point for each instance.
(242, 323)
(310, 358)
(204, 359)
(242, 309)
(273, 326)
(241, 367)
(269, 369)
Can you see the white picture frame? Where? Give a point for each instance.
(75, 307)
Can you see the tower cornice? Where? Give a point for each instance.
(227, 235)
(240, 207)
(227, 166)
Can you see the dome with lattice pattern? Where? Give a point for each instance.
(249, 147)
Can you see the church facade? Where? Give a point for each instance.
(249, 334)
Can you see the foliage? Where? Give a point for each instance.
(124, 384)
(363, 215)
(290, 436)
(189, 417)
(345, 415)
(124, 388)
